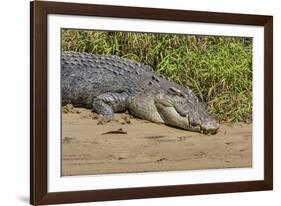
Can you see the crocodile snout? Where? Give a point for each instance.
(210, 126)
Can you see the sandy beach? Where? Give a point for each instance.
(133, 145)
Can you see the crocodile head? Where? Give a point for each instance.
(178, 107)
(175, 106)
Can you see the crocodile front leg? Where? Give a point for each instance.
(108, 103)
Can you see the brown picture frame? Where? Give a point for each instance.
(39, 11)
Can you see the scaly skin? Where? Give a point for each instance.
(109, 84)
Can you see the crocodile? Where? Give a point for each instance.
(109, 84)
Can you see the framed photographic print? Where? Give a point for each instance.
(131, 102)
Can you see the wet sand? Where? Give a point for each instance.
(134, 145)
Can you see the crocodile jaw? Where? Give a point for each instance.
(170, 116)
(155, 108)
(144, 108)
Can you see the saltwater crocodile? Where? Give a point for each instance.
(109, 84)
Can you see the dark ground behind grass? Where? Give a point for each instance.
(217, 69)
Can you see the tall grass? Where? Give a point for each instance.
(217, 69)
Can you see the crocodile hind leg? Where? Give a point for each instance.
(108, 103)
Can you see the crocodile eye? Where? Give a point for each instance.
(175, 91)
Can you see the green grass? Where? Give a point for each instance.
(217, 69)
